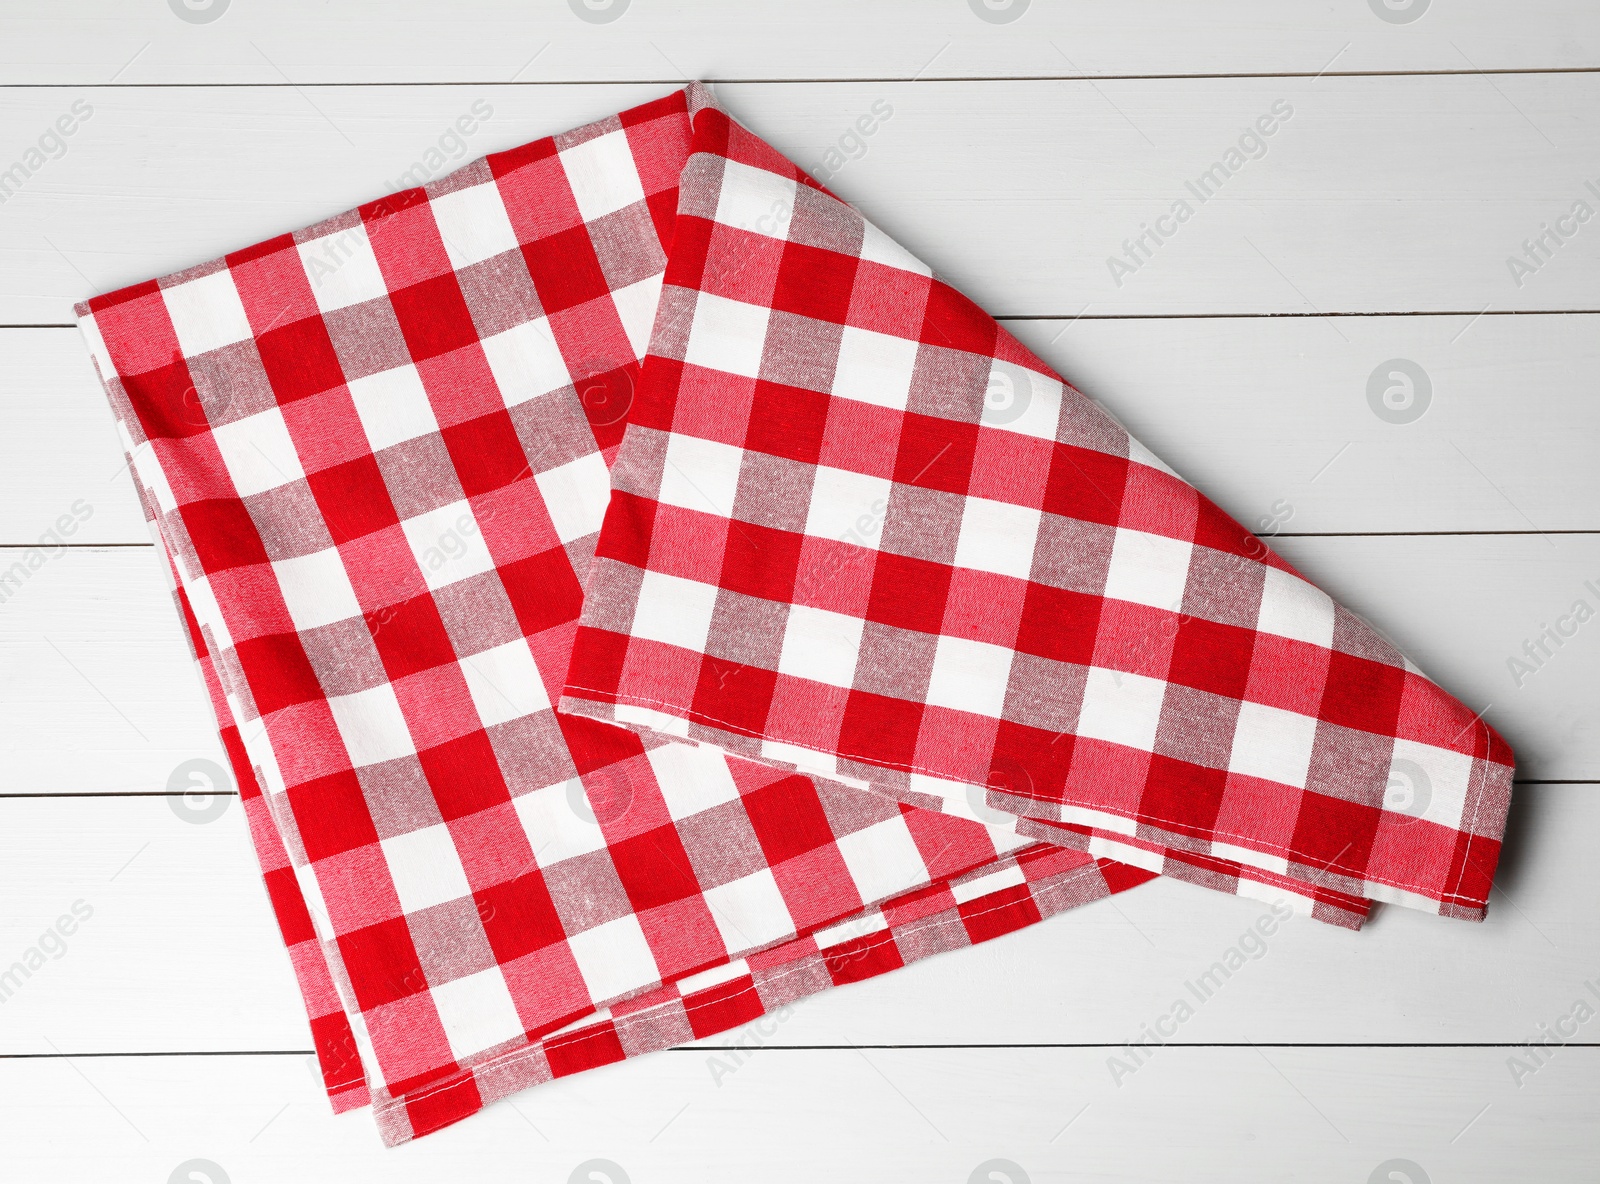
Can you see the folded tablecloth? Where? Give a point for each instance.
(859, 530)
(909, 644)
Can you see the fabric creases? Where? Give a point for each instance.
(636, 594)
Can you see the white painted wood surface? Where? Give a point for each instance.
(493, 40)
(1379, 194)
(1192, 1115)
(1420, 154)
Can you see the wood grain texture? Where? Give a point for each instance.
(1377, 195)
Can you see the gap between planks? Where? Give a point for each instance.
(896, 78)
(1164, 316)
(1280, 534)
(301, 1052)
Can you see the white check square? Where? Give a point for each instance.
(850, 507)
(1122, 708)
(997, 537)
(1021, 400)
(691, 778)
(206, 313)
(504, 683)
(258, 452)
(447, 544)
(614, 958)
(372, 725)
(1273, 744)
(749, 911)
(700, 474)
(727, 335)
(883, 859)
(316, 588)
(970, 676)
(602, 174)
(820, 645)
(673, 610)
(473, 225)
(556, 828)
(755, 200)
(393, 406)
(526, 362)
(1439, 794)
(477, 1012)
(1292, 608)
(1148, 569)
(425, 867)
(875, 368)
(576, 495)
(342, 269)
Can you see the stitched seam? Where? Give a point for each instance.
(1056, 884)
(1302, 888)
(1481, 732)
(701, 717)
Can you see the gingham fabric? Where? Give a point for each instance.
(374, 456)
(858, 530)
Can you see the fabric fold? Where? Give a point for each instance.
(374, 458)
(870, 637)
(857, 529)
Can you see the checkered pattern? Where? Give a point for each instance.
(374, 455)
(337, 1055)
(858, 530)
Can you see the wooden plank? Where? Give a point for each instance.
(1380, 194)
(1021, 192)
(103, 695)
(60, 444)
(178, 949)
(1269, 416)
(1195, 1115)
(493, 40)
(180, 924)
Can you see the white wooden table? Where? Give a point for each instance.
(1375, 224)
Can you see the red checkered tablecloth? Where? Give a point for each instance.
(909, 645)
(374, 455)
(856, 528)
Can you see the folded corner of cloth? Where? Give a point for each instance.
(635, 593)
